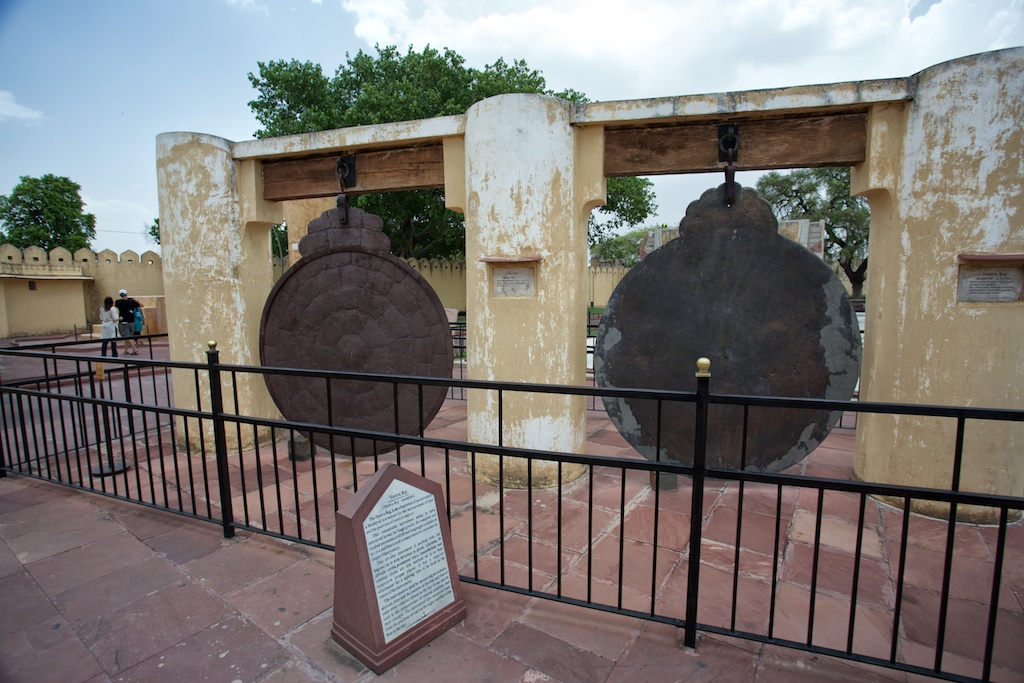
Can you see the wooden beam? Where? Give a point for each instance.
(410, 168)
(796, 142)
(804, 142)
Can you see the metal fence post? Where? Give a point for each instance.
(700, 441)
(220, 440)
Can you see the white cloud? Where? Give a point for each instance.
(652, 48)
(248, 5)
(11, 110)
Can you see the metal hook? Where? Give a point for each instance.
(728, 151)
(345, 171)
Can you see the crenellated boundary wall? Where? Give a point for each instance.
(58, 292)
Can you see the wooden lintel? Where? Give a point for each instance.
(799, 142)
(409, 168)
(796, 142)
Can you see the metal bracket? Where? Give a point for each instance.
(345, 170)
(728, 151)
(729, 142)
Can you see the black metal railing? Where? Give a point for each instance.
(807, 558)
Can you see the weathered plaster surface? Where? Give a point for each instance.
(752, 101)
(216, 265)
(943, 177)
(364, 137)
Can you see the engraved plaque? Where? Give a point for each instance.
(514, 281)
(407, 558)
(395, 582)
(980, 284)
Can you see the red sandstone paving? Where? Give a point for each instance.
(9, 563)
(552, 656)
(489, 612)
(454, 659)
(48, 652)
(313, 648)
(186, 543)
(48, 529)
(286, 599)
(835, 574)
(61, 572)
(91, 600)
(122, 639)
(25, 604)
(602, 633)
(239, 563)
(230, 650)
(658, 655)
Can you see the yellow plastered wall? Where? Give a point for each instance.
(941, 185)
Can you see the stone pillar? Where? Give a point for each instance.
(942, 176)
(530, 180)
(215, 229)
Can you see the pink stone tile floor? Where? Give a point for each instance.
(95, 590)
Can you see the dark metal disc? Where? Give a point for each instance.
(772, 317)
(353, 309)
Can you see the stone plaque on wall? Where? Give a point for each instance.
(514, 281)
(396, 586)
(990, 284)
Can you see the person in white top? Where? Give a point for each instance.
(108, 327)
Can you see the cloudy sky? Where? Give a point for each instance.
(86, 86)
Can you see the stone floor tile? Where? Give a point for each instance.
(312, 644)
(835, 574)
(489, 612)
(552, 656)
(966, 628)
(73, 567)
(189, 542)
(23, 604)
(840, 534)
(51, 528)
(782, 665)
(286, 598)
(454, 659)
(232, 650)
(658, 656)
(673, 527)
(110, 592)
(9, 563)
(601, 633)
(239, 562)
(872, 627)
(52, 659)
(151, 624)
(757, 532)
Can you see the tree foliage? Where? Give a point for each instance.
(623, 249)
(47, 212)
(296, 97)
(824, 194)
(153, 231)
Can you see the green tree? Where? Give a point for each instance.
(624, 248)
(296, 97)
(824, 194)
(153, 230)
(46, 212)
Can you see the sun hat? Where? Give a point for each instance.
(123, 292)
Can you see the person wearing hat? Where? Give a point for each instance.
(126, 307)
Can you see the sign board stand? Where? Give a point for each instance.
(395, 583)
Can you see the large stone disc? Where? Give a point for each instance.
(772, 317)
(355, 310)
